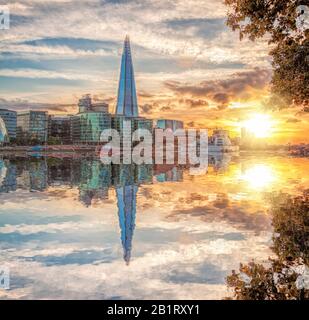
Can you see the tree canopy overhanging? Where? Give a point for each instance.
(284, 277)
(285, 23)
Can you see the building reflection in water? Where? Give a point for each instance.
(219, 162)
(93, 180)
(126, 179)
(7, 176)
(126, 202)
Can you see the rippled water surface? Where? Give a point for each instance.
(74, 228)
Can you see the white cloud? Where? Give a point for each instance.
(46, 74)
(96, 20)
(161, 51)
(49, 52)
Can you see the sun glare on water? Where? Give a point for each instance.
(259, 176)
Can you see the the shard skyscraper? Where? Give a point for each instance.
(127, 100)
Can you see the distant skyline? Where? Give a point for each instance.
(188, 64)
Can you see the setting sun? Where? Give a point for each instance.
(260, 125)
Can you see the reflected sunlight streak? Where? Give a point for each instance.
(259, 176)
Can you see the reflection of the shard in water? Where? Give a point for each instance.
(126, 202)
(3, 170)
(93, 180)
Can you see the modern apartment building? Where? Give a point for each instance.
(32, 126)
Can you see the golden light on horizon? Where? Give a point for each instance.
(260, 125)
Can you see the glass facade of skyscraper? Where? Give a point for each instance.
(127, 100)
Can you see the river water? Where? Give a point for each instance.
(73, 228)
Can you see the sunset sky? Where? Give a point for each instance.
(188, 64)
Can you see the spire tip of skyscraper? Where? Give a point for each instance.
(127, 99)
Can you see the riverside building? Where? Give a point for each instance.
(59, 129)
(9, 117)
(32, 126)
(88, 124)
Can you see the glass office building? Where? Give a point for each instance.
(143, 123)
(10, 119)
(32, 125)
(92, 119)
(87, 127)
(169, 124)
(136, 123)
(118, 123)
(59, 128)
(127, 100)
